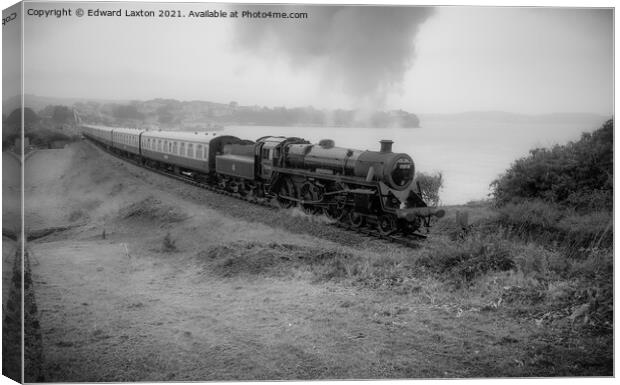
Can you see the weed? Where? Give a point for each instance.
(168, 244)
(465, 260)
(75, 215)
(151, 209)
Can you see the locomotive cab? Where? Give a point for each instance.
(269, 153)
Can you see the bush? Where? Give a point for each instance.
(578, 175)
(430, 185)
(44, 137)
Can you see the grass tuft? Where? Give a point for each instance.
(168, 244)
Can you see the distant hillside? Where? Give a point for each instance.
(206, 115)
(508, 117)
(38, 103)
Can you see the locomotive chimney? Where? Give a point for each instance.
(386, 145)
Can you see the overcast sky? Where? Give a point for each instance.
(443, 59)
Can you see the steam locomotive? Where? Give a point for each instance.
(373, 188)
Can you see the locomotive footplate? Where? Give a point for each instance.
(409, 214)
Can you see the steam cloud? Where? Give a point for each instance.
(365, 49)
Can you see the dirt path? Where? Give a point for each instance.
(108, 316)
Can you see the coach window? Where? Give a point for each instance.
(190, 150)
(182, 149)
(174, 148)
(199, 151)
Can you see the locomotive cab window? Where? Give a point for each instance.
(265, 153)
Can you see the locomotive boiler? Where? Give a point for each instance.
(362, 187)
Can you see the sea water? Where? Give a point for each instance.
(470, 155)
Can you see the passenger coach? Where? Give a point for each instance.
(186, 151)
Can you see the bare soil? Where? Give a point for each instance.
(146, 279)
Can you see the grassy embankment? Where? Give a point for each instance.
(540, 251)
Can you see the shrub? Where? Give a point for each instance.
(43, 137)
(578, 175)
(430, 185)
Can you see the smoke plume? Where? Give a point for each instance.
(365, 50)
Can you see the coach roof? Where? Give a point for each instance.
(132, 131)
(202, 137)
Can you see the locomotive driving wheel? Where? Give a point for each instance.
(286, 189)
(335, 211)
(356, 219)
(309, 192)
(386, 224)
(336, 203)
(411, 227)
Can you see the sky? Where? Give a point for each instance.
(421, 59)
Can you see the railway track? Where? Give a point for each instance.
(410, 242)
